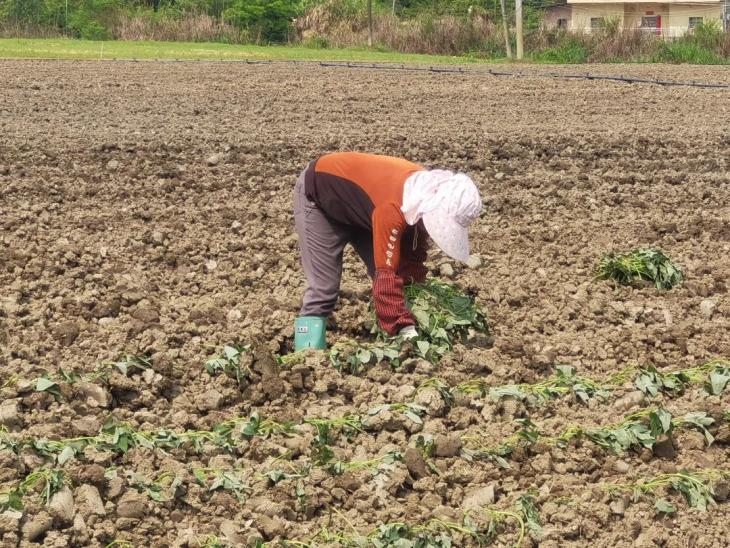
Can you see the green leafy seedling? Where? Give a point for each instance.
(223, 480)
(46, 384)
(229, 363)
(650, 265)
(129, 364)
(526, 508)
(651, 381)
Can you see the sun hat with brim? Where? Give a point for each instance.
(458, 204)
(449, 235)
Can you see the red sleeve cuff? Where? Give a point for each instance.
(390, 305)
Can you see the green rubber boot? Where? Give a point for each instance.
(309, 332)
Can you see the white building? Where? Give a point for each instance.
(669, 18)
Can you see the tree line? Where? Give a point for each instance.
(270, 20)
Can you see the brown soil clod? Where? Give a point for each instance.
(415, 463)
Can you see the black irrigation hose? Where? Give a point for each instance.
(519, 74)
(431, 69)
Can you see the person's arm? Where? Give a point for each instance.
(390, 306)
(414, 251)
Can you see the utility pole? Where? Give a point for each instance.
(505, 29)
(518, 28)
(370, 23)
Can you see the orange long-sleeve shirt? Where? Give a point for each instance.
(365, 191)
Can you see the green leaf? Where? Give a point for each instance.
(67, 454)
(718, 381)
(422, 317)
(156, 495)
(69, 376)
(526, 507)
(581, 394)
(378, 409)
(647, 384)
(660, 422)
(231, 353)
(143, 441)
(699, 418)
(413, 416)
(500, 392)
(251, 427)
(275, 476)
(664, 507)
(696, 493)
(442, 334)
(565, 371)
(423, 347)
(217, 483)
(43, 384)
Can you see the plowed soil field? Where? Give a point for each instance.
(145, 210)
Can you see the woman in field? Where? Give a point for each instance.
(386, 208)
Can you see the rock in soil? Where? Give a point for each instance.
(618, 505)
(630, 400)
(721, 488)
(447, 445)
(10, 521)
(446, 270)
(707, 307)
(474, 262)
(132, 505)
(665, 449)
(722, 434)
(88, 500)
(66, 333)
(215, 159)
(62, 507)
(231, 531)
(479, 498)
(415, 463)
(621, 466)
(37, 526)
(96, 395)
(432, 400)
(9, 411)
(210, 400)
(271, 527)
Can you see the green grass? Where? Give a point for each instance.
(683, 52)
(572, 52)
(62, 48)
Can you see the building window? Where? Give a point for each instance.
(563, 23)
(649, 22)
(694, 21)
(596, 23)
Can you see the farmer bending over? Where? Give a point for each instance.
(386, 208)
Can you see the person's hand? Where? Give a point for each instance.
(408, 332)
